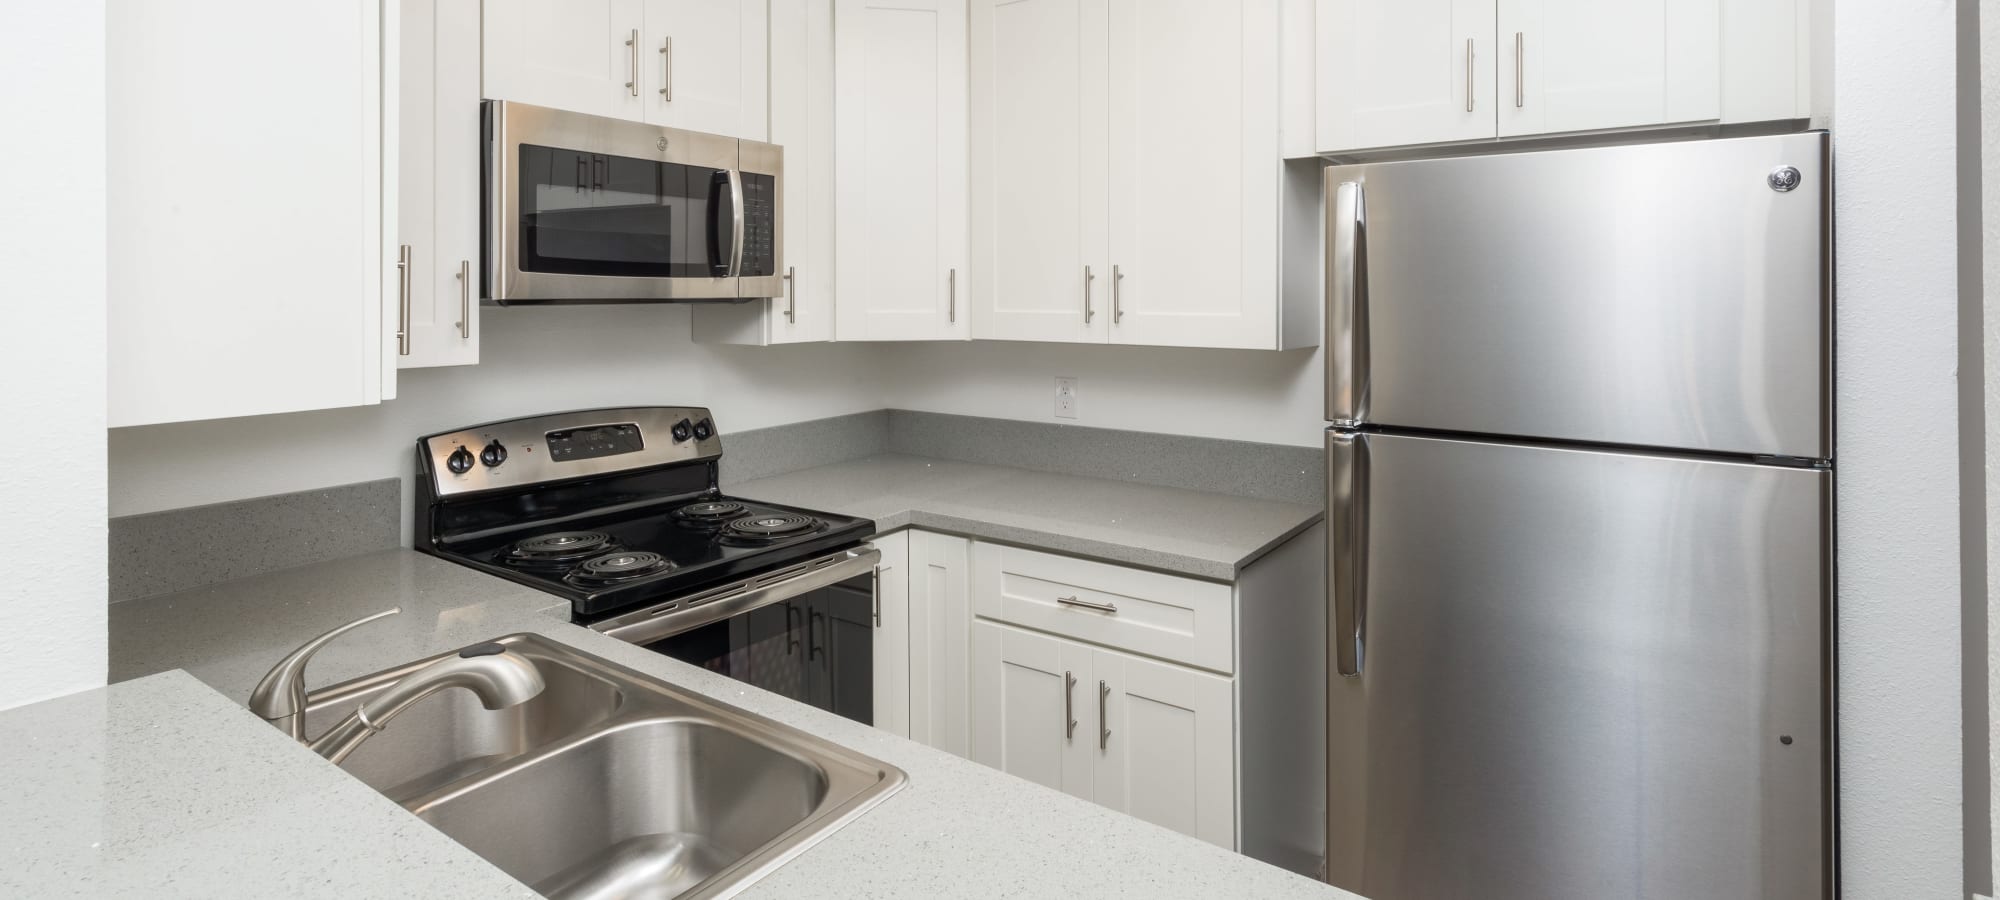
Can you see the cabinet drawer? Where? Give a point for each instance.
(1150, 613)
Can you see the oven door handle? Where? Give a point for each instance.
(671, 617)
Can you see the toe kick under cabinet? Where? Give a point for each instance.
(1192, 704)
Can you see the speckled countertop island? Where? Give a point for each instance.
(164, 790)
(1197, 533)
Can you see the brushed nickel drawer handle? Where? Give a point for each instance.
(465, 299)
(1086, 604)
(1468, 74)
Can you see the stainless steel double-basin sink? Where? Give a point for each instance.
(610, 783)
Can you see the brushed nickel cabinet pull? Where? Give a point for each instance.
(1520, 66)
(667, 68)
(1468, 74)
(951, 295)
(791, 294)
(1086, 604)
(1103, 724)
(1069, 713)
(465, 299)
(1088, 277)
(1117, 300)
(403, 300)
(632, 63)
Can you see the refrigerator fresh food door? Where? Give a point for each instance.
(1663, 295)
(1569, 673)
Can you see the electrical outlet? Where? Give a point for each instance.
(1065, 396)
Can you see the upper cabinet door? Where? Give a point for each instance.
(586, 56)
(899, 156)
(1395, 72)
(1040, 162)
(705, 62)
(439, 208)
(1194, 192)
(251, 207)
(1579, 65)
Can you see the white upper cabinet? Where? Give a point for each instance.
(1393, 73)
(1194, 188)
(900, 182)
(438, 308)
(802, 123)
(579, 55)
(252, 217)
(1040, 162)
(704, 63)
(1126, 174)
(1405, 71)
(1583, 65)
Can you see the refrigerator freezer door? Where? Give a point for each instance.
(1659, 295)
(1584, 674)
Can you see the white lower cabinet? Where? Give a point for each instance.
(940, 640)
(1131, 688)
(1165, 744)
(1028, 718)
(1147, 738)
(892, 635)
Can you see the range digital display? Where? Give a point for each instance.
(592, 443)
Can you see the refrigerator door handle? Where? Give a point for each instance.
(1347, 561)
(1346, 302)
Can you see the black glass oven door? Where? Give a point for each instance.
(587, 213)
(817, 648)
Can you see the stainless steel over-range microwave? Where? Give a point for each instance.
(588, 209)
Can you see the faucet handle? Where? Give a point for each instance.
(280, 698)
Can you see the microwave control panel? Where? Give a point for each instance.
(760, 225)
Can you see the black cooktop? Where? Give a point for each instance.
(612, 562)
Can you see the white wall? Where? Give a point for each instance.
(1895, 122)
(1276, 398)
(52, 611)
(540, 360)
(534, 360)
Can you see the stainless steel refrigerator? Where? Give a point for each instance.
(1580, 519)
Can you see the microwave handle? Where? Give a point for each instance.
(736, 234)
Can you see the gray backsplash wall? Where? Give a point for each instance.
(1242, 468)
(177, 549)
(174, 550)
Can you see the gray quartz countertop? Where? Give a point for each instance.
(1197, 533)
(958, 829)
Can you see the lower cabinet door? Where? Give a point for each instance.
(1164, 747)
(1030, 704)
(940, 642)
(891, 647)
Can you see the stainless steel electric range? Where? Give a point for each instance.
(620, 512)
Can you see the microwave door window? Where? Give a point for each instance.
(595, 214)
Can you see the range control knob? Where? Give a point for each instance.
(704, 429)
(493, 455)
(682, 431)
(459, 462)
